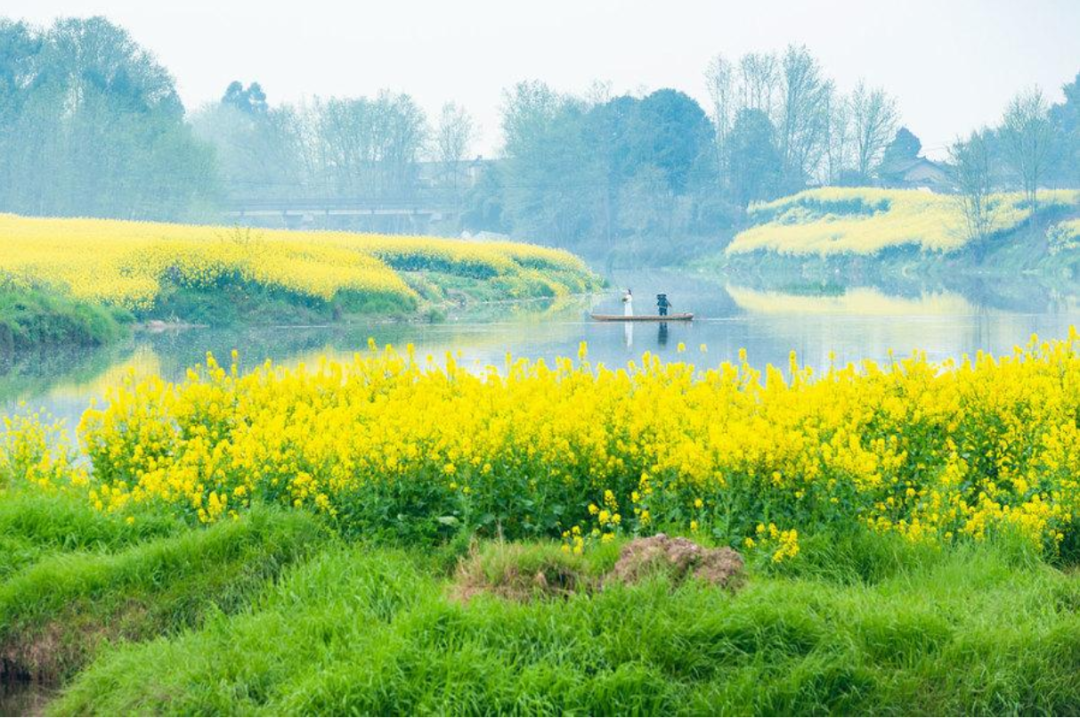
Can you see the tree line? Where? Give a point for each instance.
(91, 124)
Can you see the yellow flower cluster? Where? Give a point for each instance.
(38, 452)
(126, 263)
(387, 443)
(866, 221)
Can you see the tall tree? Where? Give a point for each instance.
(250, 100)
(803, 118)
(368, 147)
(1026, 136)
(719, 77)
(839, 141)
(970, 162)
(756, 163)
(95, 127)
(759, 76)
(550, 183)
(259, 149)
(874, 118)
(898, 156)
(1065, 118)
(455, 135)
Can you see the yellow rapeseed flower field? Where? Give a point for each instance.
(866, 221)
(126, 263)
(387, 443)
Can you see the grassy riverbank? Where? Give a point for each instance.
(224, 276)
(37, 317)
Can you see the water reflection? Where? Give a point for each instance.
(816, 320)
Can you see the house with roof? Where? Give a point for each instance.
(916, 173)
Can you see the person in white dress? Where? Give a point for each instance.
(628, 304)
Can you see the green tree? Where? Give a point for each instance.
(1065, 119)
(755, 162)
(898, 156)
(93, 126)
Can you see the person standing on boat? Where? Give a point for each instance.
(628, 303)
(662, 304)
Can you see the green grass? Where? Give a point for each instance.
(36, 525)
(872, 626)
(34, 317)
(83, 582)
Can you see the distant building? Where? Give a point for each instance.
(916, 173)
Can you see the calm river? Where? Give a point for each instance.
(853, 322)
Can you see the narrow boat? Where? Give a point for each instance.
(643, 318)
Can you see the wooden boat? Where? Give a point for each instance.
(643, 318)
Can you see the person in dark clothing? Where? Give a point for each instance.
(662, 304)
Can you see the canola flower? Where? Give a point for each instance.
(128, 264)
(865, 221)
(389, 444)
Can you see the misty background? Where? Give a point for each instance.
(609, 128)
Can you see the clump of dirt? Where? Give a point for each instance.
(680, 559)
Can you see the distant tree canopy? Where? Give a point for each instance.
(756, 167)
(1065, 122)
(251, 100)
(898, 156)
(90, 124)
(578, 170)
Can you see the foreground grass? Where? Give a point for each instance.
(863, 626)
(76, 582)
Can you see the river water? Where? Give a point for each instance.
(850, 322)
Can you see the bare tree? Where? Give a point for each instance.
(454, 137)
(719, 76)
(970, 160)
(1027, 135)
(874, 118)
(839, 142)
(758, 79)
(369, 147)
(803, 118)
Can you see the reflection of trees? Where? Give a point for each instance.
(29, 374)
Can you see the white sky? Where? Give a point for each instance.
(953, 64)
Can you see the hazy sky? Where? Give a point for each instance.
(953, 64)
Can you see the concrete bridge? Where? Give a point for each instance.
(424, 207)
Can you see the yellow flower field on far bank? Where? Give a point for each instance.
(128, 264)
(865, 221)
